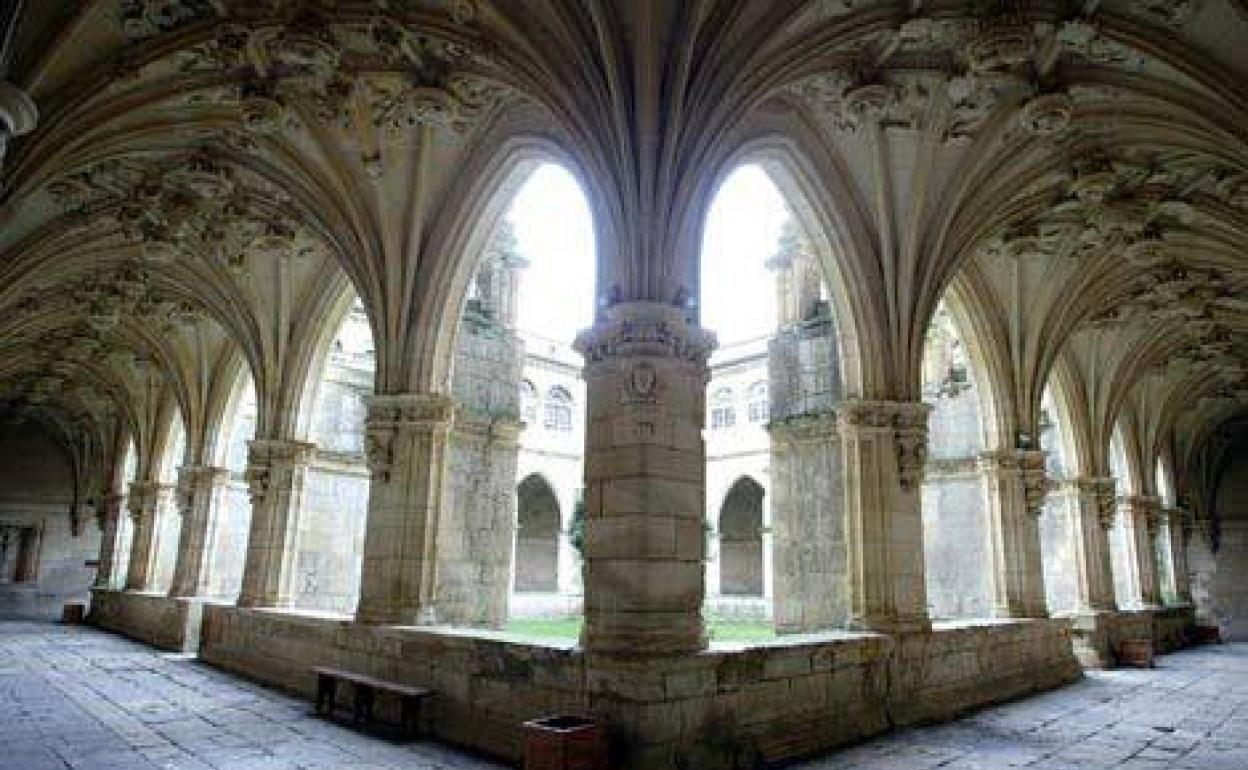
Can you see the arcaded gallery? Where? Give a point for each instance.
(623, 384)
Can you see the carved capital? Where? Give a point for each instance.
(267, 458)
(390, 415)
(645, 330)
(906, 421)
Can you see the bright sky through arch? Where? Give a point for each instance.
(742, 230)
(555, 232)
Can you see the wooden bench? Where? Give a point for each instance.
(365, 689)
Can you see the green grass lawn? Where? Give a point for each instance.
(570, 628)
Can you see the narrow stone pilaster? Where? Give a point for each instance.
(114, 523)
(276, 472)
(407, 437)
(1015, 483)
(1090, 522)
(199, 492)
(147, 502)
(1140, 526)
(645, 466)
(808, 524)
(885, 448)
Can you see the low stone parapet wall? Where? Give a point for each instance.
(724, 707)
(158, 620)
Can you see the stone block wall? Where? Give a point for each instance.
(718, 709)
(158, 620)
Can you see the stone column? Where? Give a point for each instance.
(1090, 523)
(885, 447)
(1015, 483)
(407, 438)
(146, 504)
(276, 472)
(808, 524)
(477, 530)
(199, 496)
(113, 520)
(1140, 519)
(1175, 522)
(645, 467)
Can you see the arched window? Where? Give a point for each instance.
(558, 409)
(723, 413)
(758, 406)
(528, 402)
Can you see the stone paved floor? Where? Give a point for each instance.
(74, 697)
(82, 699)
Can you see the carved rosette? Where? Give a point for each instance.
(391, 415)
(906, 420)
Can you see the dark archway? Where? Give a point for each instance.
(741, 539)
(537, 536)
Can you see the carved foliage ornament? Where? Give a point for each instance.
(390, 417)
(905, 420)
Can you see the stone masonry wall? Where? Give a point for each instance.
(717, 709)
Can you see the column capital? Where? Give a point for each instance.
(1028, 465)
(390, 414)
(645, 330)
(196, 479)
(264, 455)
(145, 496)
(905, 420)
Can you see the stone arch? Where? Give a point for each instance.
(489, 184)
(783, 157)
(741, 539)
(537, 536)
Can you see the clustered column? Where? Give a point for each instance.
(407, 437)
(276, 472)
(113, 525)
(148, 501)
(1140, 526)
(1178, 525)
(199, 496)
(1016, 488)
(1091, 515)
(645, 464)
(885, 446)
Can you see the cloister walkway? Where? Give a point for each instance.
(73, 697)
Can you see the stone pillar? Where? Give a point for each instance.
(1015, 483)
(113, 527)
(276, 472)
(1175, 522)
(645, 467)
(477, 531)
(1140, 520)
(407, 438)
(199, 496)
(147, 504)
(885, 448)
(1090, 522)
(808, 524)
